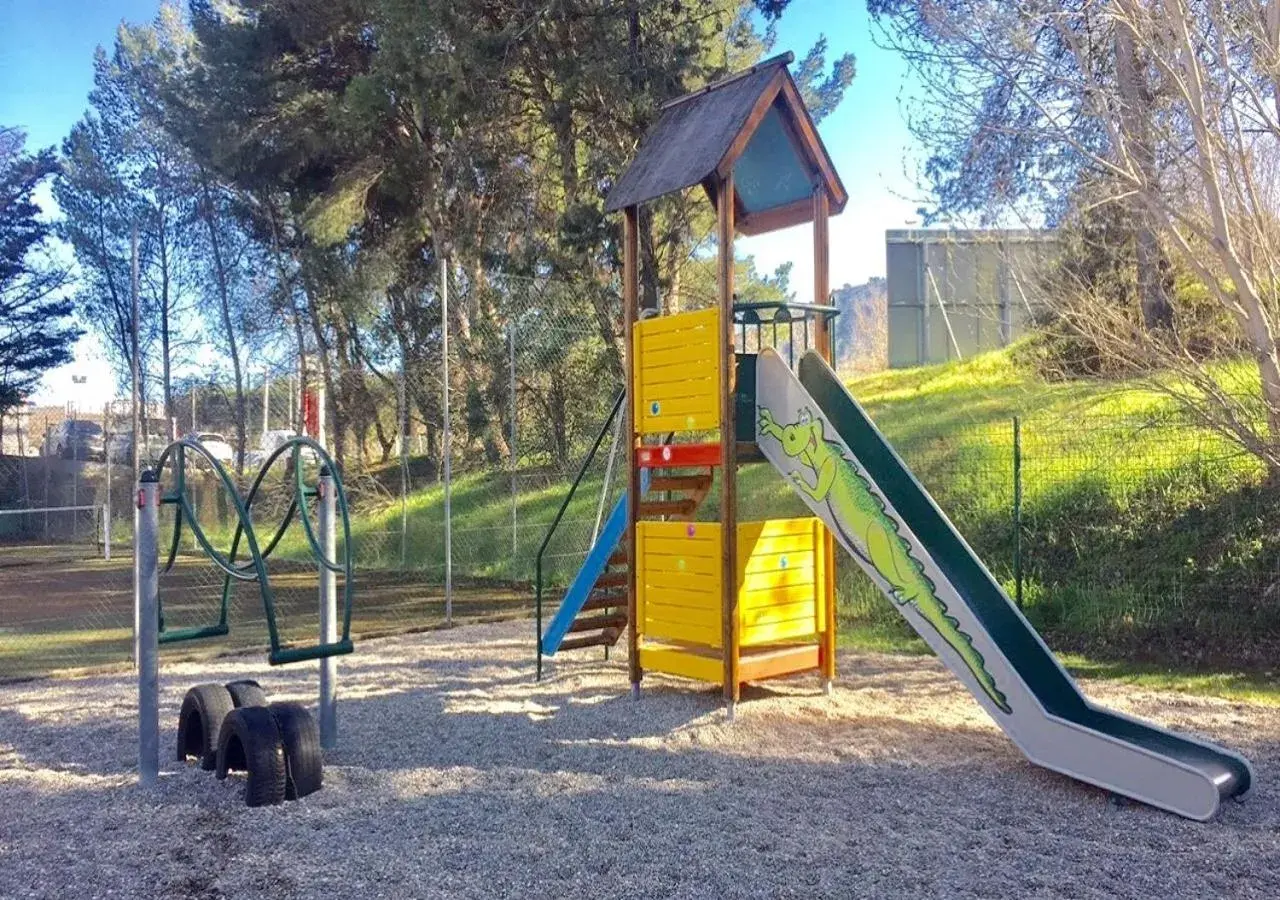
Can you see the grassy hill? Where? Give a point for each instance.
(1144, 539)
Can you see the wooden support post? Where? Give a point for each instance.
(821, 269)
(630, 299)
(728, 447)
(828, 551)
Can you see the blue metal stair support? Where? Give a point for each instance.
(592, 568)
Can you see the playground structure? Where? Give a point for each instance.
(729, 602)
(321, 539)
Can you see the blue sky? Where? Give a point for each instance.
(46, 72)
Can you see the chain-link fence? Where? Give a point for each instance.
(1147, 539)
(1142, 537)
(532, 377)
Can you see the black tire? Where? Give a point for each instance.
(303, 759)
(199, 722)
(250, 742)
(247, 692)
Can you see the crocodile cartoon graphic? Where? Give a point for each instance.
(855, 507)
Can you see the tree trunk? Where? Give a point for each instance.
(1135, 121)
(228, 326)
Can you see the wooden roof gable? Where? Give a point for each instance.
(753, 123)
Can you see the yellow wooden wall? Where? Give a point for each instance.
(677, 372)
(782, 579)
(678, 581)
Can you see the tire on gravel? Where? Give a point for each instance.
(247, 692)
(303, 759)
(199, 722)
(250, 742)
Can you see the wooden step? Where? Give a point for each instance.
(689, 484)
(603, 639)
(604, 601)
(680, 509)
(611, 580)
(599, 623)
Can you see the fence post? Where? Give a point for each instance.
(402, 425)
(146, 589)
(448, 444)
(1017, 511)
(511, 450)
(328, 611)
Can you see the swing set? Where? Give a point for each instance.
(152, 629)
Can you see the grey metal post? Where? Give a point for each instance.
(266, 401)
(328, 611)
(511, 449)
(146, 601)
(402, 425)
(448, 446)
(106, 507)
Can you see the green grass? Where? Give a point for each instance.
(1149, 546)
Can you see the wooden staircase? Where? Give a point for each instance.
(603, 618)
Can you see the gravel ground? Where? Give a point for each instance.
(460, 776)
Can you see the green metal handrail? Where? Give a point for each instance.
(555, 522)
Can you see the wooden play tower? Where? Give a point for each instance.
(726, 601)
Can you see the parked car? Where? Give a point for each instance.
(270, 442)
(76, 439)
(217, 445)
(120, 446)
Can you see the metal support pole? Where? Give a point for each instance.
(511, 449)
(146, 605)
(402, 425)
(266, 402)
(1017, 511)
(448, 446)
(106, 508)
(328, 611)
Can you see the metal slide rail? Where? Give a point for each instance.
(564, 505)
(254, 568)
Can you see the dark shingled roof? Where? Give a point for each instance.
(691, 137)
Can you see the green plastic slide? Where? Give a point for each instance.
(826, 446)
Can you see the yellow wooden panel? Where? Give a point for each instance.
(681, 396)
(698, 414)
(679, 604)
(676, 378)
(682, 631)
(779, 562)
(680, 322)
(688, 600)
(661, 564)
(679, 530)
(776, 528)
(693, 583)
(749, 600)
(674, 661)
(705, 613)
(785, 609)
(771, 580)
(786, 543)
(778, 631)
(697, 357)
(704, 542)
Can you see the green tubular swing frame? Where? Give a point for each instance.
(254, 569)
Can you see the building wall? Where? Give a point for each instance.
(952, 294)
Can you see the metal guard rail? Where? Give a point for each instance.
(555, 522)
